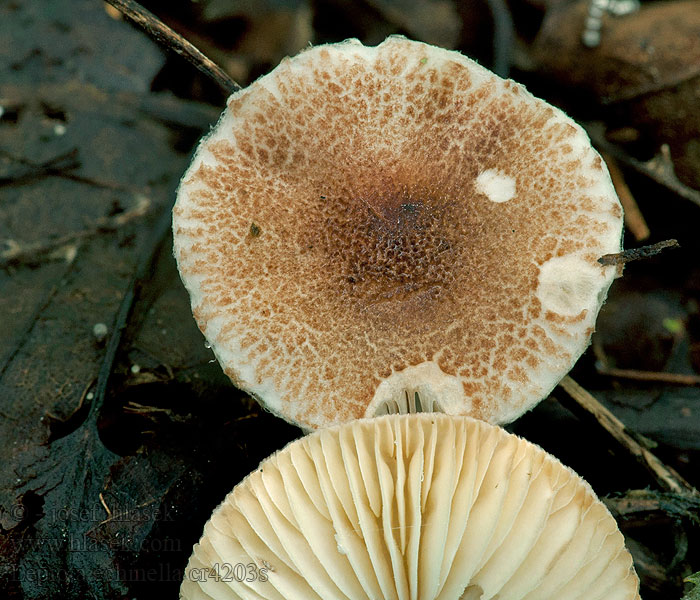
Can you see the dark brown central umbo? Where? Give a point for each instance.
(394, 248)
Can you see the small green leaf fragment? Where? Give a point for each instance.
(255, 231)
(423, 60)
(673, 325)
(694, 593)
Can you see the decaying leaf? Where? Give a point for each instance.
(646, 69)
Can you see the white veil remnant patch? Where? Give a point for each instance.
(496, 185)
(568, 285)
(436, 392)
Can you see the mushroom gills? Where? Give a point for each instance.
(411, 507)
(408, 401)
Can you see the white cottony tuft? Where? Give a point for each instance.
(495, 185)
(568, 285)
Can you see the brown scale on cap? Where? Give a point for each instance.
(364, 221)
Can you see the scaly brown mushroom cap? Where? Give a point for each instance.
(419, 507)
(365, 221)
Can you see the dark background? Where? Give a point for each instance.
(115, 448)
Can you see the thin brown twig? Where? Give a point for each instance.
(122, 514)
(104, 505)
(165, 36)
(61, 166)
(621, 258)
(664, 475)
(634, 219)
(16, 253)
(58, 165)
(660, 168)
(658, 376)
(637, 504)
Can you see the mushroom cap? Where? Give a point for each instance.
(364, 221)
(426, 506)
